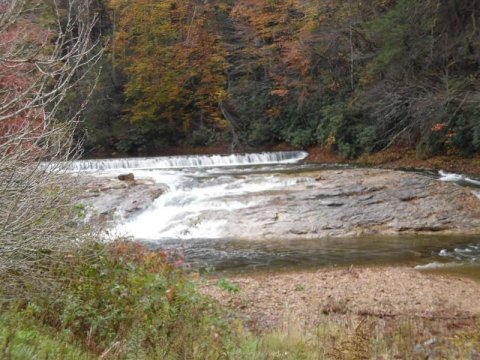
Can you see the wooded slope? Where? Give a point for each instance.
(353, 76)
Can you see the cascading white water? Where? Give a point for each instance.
(202, 189)
(458, 178)
(215, 203)
(197, 204)
(197, 161)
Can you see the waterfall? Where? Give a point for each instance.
(458, 178)
(194, 161)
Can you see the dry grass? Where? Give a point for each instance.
(350, 338)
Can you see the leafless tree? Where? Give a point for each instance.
(46, 49)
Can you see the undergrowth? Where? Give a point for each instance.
(122, 301)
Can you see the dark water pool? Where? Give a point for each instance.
(459, 254)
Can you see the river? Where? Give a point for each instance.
(219, 211)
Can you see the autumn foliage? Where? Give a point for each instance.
(369, 75)
(172, 54)
(18, 84)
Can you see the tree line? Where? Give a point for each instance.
(349, 75)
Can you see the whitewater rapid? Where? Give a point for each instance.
(201, 191)
(214, 206)
(194, 161)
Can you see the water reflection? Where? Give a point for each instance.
(224, 255)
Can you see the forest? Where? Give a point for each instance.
(349, 76)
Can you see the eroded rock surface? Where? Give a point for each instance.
(106, 197)
(354, 202)
(316, 204)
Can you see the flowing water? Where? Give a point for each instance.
(203, 190)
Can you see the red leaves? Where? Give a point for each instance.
(18, 44)
(438, 127)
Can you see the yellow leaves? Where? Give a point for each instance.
(172, 54)
(220, 95)
(117, 4)
(274, 112)
(279, 92)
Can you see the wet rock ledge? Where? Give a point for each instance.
(108, 197)
(354, 202)
(323, 203)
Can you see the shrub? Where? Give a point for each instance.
(127, 301)
(261, 133)
(203, 136)
(301, 138)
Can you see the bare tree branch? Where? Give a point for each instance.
(39, 66)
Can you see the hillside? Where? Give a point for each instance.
(351, 76)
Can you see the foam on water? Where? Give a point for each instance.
(469, 254)
(196, 161)
(194, 209)
(437, 265)
(477, 194)
(199, 192)
(458, 178)
(204, 190)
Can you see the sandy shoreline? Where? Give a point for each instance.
(269, 301)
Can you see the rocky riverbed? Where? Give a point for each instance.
(302, 299)
(354, 202)
(315, 204)
(108, 197)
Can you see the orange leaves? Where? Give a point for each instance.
(438, 127)
(153, 261)
(280, 32)
(295, 56)
(279, 92)
(20, 43)
(174, 60)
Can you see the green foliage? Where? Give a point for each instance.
(145, 137)
(134, 302)
(368, 75)
(476, 129)
(227, 285)
(80, 211)
(301, 138)
(402, 35)
(122, 301)
(21, 338)
(203, 136)
(260, 133)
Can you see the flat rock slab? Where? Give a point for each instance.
(316, 204)
(108, 197)
(269, 301)
(355, 202)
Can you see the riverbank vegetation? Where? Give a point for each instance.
(122, 301)
(351, 76)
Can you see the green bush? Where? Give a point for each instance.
(352, 133)
(476, 133)
(261, 133)
(21, 338)
(227, 285)
(145, 137)
(301, 138)
(203, 136)
(135, 302)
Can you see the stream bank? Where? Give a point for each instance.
(301, 299)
